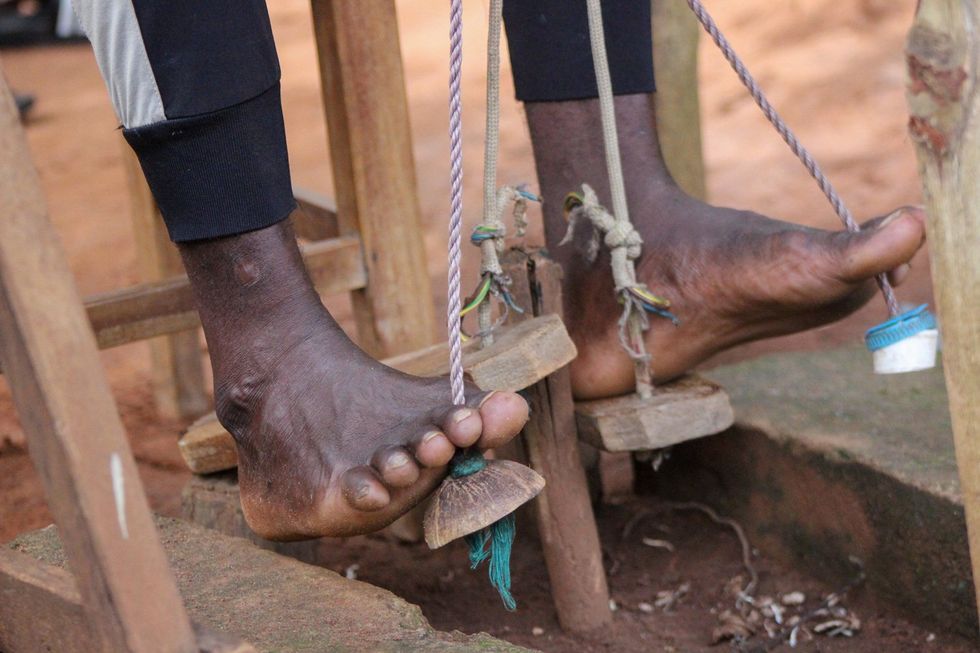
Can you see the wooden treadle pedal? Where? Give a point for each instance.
(688, 408)
(521, 355)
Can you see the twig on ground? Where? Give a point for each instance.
(713, 516)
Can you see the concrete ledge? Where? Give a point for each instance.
(280, 604)
(828, 460)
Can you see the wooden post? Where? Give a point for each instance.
(566, 524)
(74, 434)
(675, 65)
(178, 373)
(943, 68)
(374, 170)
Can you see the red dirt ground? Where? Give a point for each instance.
(834, 69)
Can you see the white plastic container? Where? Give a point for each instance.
(911, 354)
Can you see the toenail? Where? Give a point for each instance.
(431, 435)
(891, 217)
(461, 415)
(487, 398)
(397, 460)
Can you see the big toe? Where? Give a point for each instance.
(883, 244)
(504, 414)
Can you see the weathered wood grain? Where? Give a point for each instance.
(521, 356)
(152, 309)
(177, 366)
(690, 407)
(363, 88)
(74, 434)
(41, 610)
(566, 525)
(944, 102)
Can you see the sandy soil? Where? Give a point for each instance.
(834, 69)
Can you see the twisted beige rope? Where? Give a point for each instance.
(620, 237)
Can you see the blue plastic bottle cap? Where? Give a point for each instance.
(899, 328)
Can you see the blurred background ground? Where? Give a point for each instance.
(834, 69)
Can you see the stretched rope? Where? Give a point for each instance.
(620, 237)
(455, 199)
(493, 543)
(787, 134)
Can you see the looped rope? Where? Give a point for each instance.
(625, 245)
(789, 137)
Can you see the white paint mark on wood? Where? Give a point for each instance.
(119, 492)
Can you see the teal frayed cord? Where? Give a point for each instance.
(493, 543)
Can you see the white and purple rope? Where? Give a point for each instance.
(456, 200)
(787, 134)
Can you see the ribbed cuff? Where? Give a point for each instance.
(221, 173)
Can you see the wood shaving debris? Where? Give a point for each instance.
(732, 627)
(613, 606)
(643, 606)
(537, 631)
(658, 544)
(351, 572)
(667, 599)
(794, 598)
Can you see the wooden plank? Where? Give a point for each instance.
(566, 525)
(943, 75)
(74, 434)
(41, 610)
(123, 316)
(688, 408)
(316, 218)
(675, 57)
(374, 171)
(177, 366)
(521, 356)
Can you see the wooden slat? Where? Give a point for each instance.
(691, 407)
(317, 215)
(374, 170)
(675, 58)
(41, 610)
(74, 434)
(944, 101)
(153, 309)
(566, 525)
(521, 356)
(177, 366)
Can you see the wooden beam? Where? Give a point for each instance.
(74, 435)
(566, 525)
(41, 610)
(521, 356)
(374, 170)
(317, 215)
(177, 366)
(688, 408)
(675, 64)
(123, 316)
(944, 101)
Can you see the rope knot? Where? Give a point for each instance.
(622, 234)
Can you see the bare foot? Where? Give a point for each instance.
(731, 276)
(330, 441)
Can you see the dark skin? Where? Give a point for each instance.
(732, 276)
(331, 442)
